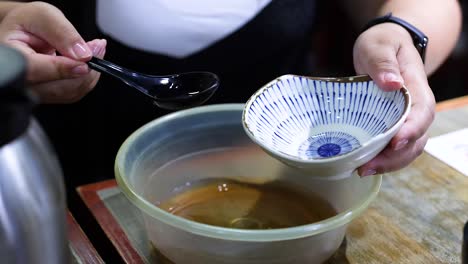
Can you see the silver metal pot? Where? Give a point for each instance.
(32, 193)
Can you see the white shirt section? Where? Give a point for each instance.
(176, 28)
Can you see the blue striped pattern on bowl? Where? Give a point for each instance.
(311, 118)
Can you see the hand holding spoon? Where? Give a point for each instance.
(176, 91)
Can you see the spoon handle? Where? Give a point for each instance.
(101, 65)
(127, 76)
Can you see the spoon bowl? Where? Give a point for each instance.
(176, 91)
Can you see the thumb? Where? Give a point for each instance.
(382, 66)
(49, 23)
(387, 79)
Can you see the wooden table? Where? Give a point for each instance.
(418, 216)
(81, 249)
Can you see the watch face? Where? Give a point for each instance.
(421, 45)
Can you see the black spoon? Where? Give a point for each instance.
(177, 91)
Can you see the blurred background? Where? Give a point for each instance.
(334, 56)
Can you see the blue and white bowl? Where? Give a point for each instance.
(329, 126)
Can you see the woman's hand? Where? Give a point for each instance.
(40, 31)
(386, 53)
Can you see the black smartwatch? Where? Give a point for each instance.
(420, 40)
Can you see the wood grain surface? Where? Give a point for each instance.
(452, 104)
(82, 251)
(89, 194)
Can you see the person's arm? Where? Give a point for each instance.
(386, 53)
(440, 20)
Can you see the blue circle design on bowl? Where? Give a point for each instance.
(329, 150)
(327, 145)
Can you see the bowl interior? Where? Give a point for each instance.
(170, 153)
(313, 118)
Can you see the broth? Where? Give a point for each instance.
(232, 204)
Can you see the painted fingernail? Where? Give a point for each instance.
(369, 172)
(80, 70)
(102, 51)
(401, 144)
(392, 77)
(81, 51)
(96, 50)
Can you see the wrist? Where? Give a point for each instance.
(419, 39)
(392, 31)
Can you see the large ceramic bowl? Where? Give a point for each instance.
(176, 150)
(328, 126)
